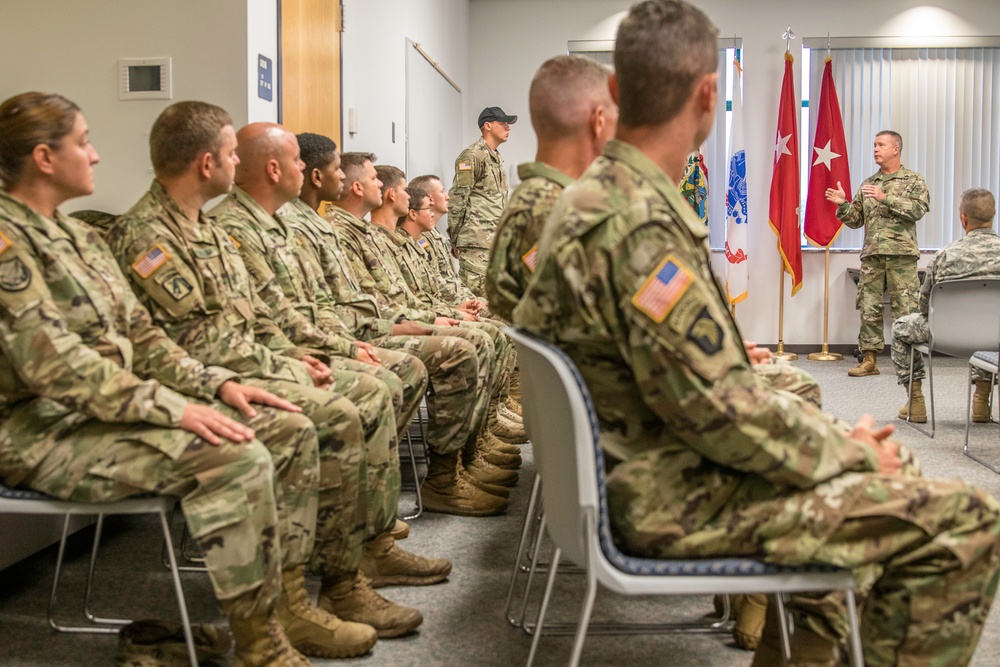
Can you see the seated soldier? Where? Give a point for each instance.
(704, 457)
(976, 255)
(189, 274)
(99, 404)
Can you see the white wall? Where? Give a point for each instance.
(511, 38)
(374, 64)
(73, 47)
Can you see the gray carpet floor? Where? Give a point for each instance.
(463, 619)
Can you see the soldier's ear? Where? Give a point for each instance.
(316, 178)
(204, 164)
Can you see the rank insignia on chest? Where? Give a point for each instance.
(154, 258)
(530, 258)
(662, 289)
(465, 166)
(4, 243)
(14, 275)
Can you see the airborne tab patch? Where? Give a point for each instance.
(465, 166)
(530, 258)
(154, 258)
(4, 243)
(663, 288)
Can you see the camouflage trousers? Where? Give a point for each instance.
(403, 374)
(505, 355)
(251, 507)
(358, 464)
(452, 395)
(908, 331)
(489, 375)
(925, 553)
(472, 263)
(782, 375)
(880, 273)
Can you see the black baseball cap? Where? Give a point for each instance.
(491, 114)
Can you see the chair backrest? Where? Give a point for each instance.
(559, 418)
(964, 316)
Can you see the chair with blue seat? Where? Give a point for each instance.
(985, 361)
(560, 417)
(17, 501)
(963, 317)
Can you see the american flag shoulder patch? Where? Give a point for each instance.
(530, 258)
(154, 258)
(5, 243)
(422, 242)
(465, 166)
(663, 288)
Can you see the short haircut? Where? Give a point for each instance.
(662, 48)
(315, 150)
(417, 195)
(895, 137)
(979, 206)
(424, 180)
(183, 132)
(27, 120)
(390, 176)
(352, 165)
(563, 93)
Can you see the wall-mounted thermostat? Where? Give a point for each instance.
(144, 79)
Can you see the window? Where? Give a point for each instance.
(945, 102)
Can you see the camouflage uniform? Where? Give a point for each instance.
(380, 277)
(199, 291)
(81, 423)
(889, 255)
(976, 255)
(706, 460)
(439, 250)
(451, 363)
(512, 258)
(477, 197)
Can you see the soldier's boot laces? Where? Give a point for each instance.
(981, 401)
(353, 598)
(493, 489)
(385, 564)
(868, 366)
(314, 631)
(483, 470)
(499, 453)
(448, 491)
(808, 648)
(503, 426)
(514, 406)
(400, 530)
(750, 612)
(261, 642)
(914, 407)
(514, 392)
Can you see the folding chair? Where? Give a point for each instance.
(963, 317)
(412, 455)
(14, 501)
(986, 361)
(560, 416)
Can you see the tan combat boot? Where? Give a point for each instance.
(981, 401)
(261, 642)
(485, 471)
(353, 598)
(808, 648)
(503, 426)
(749, 612)
(316, 632)
(914, 407)
(400, 530)
(868, 366)
(446, 490)
(492, 489)
(514, 406)
(385, 564)
(496, 452)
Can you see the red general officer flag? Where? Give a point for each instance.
(829, 166)
(783, 213)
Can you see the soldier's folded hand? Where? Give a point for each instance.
(240, 396)
(212, 425)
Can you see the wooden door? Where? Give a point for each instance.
(310, 67)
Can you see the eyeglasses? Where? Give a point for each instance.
(425, 208)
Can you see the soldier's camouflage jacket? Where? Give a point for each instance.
(512, 258)
(78, 345)
(890, 225)
(975, 255)
(623, 284)
(477, 196)
(439, 253)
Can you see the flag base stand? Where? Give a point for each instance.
(825, 355)
(781, 354)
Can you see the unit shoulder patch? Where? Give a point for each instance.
(706, 333)
(15, 275)
(663, 288)
(175, 284)
(154, 258)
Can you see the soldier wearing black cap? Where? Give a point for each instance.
(477, 197)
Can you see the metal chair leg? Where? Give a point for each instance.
(544, 607)
(90, 582)
(416, 478)
(521, 550)
(179, 590)
(857, 652)
(786, 641)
